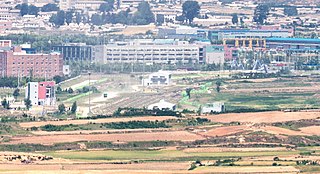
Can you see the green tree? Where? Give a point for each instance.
(24, 9)
(27, 103)
(61, 108)
(50, 7)
(144, 14)
(107, 6)
(290, 11)
(261, 13)
(58, 79)
(74, 107)
(16, 93)
(69, 16)
(122, 17)
(33, 10)
(78, 18)
(59, 90)
(235, 19)
(190, 9)
(188, 91)
(70, 90)
(5, 104)
(58, 19)
(218, 85)
(96, 19)
(160, 19)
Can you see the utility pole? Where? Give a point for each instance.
(89, 94)
(18, 78)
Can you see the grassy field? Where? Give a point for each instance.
(272, 94)
(158, 155)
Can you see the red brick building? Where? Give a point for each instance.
(17, 62)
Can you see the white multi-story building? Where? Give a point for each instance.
(80, 4)
(41, 93)
(155, 51)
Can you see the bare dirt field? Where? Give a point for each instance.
(263, 117)
(222, 149)
(104, 120)
(279, 131)
(227, 130)
(112, 131)
(131, 30)
(82, 166)
(313, 130)
(152, 136)
(249, 169)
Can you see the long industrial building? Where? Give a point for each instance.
(155, 51)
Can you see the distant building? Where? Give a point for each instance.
(75, 52)
(162, 105)
(213, 107)
(157, 78)
(222, 34)
(80, 4)
(5, 43)
(17, 62)
(41, 93)
(66, 70)
(214, 54)
(153, 51)
(293, 44)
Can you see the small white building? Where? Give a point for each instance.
(162, 105)
(66, 70)
(213, 107)
(157, 79)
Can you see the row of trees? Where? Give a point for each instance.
(262, 11)
(142, 16)
(62, 108)
(26, 9)
(6, 104)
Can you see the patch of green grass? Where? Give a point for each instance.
(159, 154)
(77, 97)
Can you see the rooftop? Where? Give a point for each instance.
(305, 40)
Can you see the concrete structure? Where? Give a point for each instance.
(41, 93)
(80, 4)
(18, 63)
(213, 107)
(157, 78)
(214, 54)
(293, 44)
(5, 43)
(162, 105)
(154, 51)
(66, 70)
(248, 33)
(75, 52)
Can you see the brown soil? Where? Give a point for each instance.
(152, 136)
(222, 131)
(313, 130)
(263, 117)
(103, 120)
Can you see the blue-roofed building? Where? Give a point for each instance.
(215, 35)
(293, 44)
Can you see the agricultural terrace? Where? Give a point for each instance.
(270, 125)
